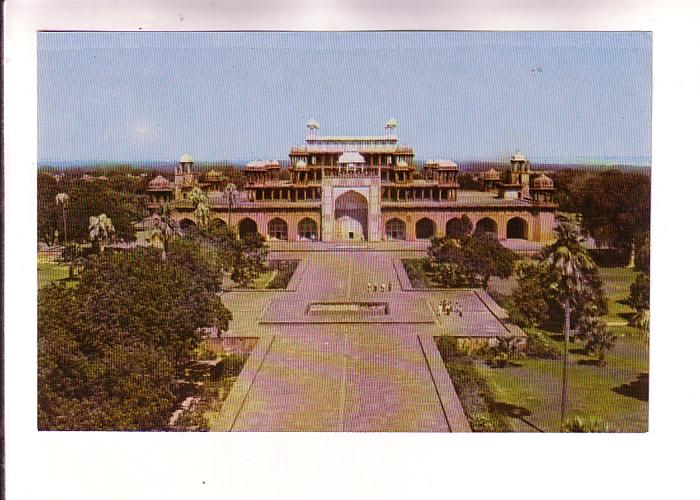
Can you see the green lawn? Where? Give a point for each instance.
(529, 394)
(615, 393)
(616, 283)
(258, 283)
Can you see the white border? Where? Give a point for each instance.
(353, 466)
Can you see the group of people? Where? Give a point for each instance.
(446, 307)
(376, 287)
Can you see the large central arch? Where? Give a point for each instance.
(351, 217)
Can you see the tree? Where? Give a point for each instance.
(47, 215)
(597, 337)
(230, 197)
(486, 257)
(165, 228)
(87, 198)
(600, 341)
(467, 181)
(615, 208)
(570, 264)
(101, 231)
(569, 186)
(446, 257)
(202, 212)
(62, 199)
(642, 258)
(639, 300)
(639, 292)
(73, 256)
(531, 302)
(469, 260)
(110, 349)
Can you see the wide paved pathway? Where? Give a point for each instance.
(343, 377)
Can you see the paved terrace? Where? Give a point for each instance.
(333, 357)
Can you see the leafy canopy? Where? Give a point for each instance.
(112, 347)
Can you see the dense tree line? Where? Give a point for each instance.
(615, 206)
(111, 348)
(119, 197)
(468, 181)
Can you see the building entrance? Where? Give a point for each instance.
(351, 217)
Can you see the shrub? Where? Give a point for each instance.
(639, 292)
(473, 392)
(448, 347)
(599, 343)
(285, 270)
(502, 353)
(540, 346)
(484, 422)
(232, 364)
(590, 424)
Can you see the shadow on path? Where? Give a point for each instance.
(517, 412)
(638, 389)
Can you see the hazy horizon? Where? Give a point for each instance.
(470, 96)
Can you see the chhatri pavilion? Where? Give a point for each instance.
(363, 188)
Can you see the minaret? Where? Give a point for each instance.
(520, 173)
(390, 126)
(313, 127)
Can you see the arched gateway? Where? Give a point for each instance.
(351, 217)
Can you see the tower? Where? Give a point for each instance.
(313, 127)
(390, 126)
(520, 169)
(184, 176)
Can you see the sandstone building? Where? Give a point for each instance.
(363, 188)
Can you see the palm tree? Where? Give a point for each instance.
(230, 196)
(61, 199)
(165, 227)
(201, 204)
(101, 230)
(570, 265)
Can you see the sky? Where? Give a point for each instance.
(244, 95)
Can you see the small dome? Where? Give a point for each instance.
(351, 157)
(274, 164)
(159, 181)
(391, 123)
(491, 175)
(312, 124)
(301, 164)
(186, 158)
(401, 164)
(543, 182)
(446, 164)
(256, 165)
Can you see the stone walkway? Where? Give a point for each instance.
(343, 371)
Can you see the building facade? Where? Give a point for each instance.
(363, 188)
